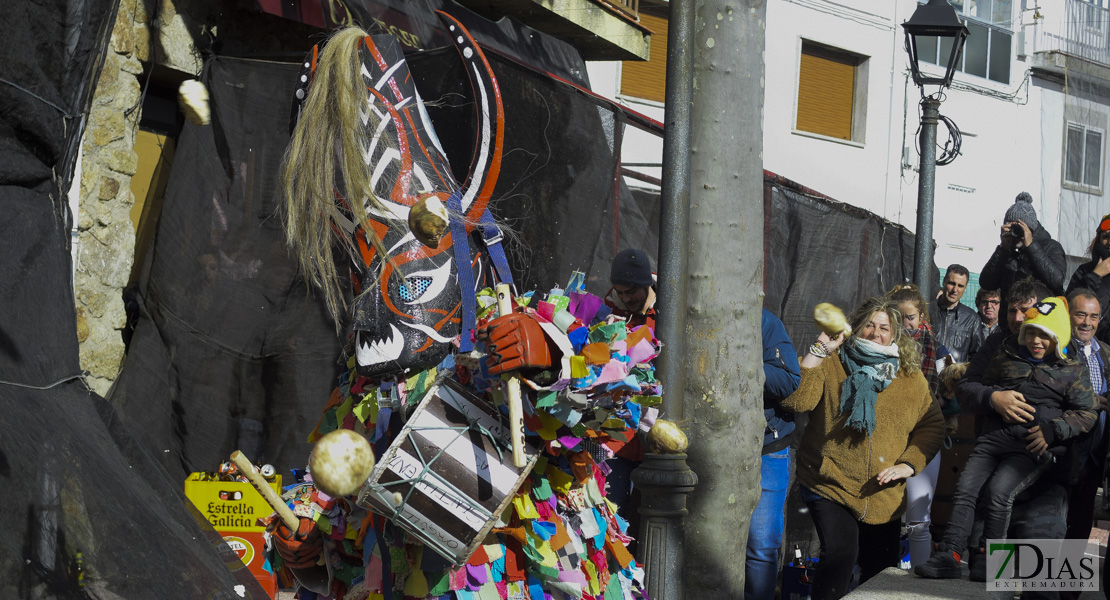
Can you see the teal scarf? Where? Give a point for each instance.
(870, 369)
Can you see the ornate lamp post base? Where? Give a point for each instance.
(664, 480)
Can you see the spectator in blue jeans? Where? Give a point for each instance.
(780, 369)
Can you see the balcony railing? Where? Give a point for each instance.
(629, 7)
(1076, 28)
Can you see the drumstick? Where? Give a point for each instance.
(247, 469)
(512, 387)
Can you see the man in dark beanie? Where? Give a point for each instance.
(1026, 250)
(632, 297)
(633, 294)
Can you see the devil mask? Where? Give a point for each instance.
(408, 308)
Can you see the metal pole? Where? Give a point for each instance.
(665, 481)
(675, 209)
(924, 273)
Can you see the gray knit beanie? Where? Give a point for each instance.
(1022, 210)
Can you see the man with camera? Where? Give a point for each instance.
(1026, 250)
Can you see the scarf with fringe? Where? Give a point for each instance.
(870, 368)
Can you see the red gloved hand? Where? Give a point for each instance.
(514, 342)
(301, 549)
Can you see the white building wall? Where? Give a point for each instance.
(1051, 142)
(1080, 210)
(856, 173)
(639, 147)
(1013, 134)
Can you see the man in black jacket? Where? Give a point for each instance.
(1026, 250)
(953, 322)
(1041, 511)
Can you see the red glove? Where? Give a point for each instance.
(299, 550)
(514, 342)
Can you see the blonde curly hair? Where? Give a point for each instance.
(909, 356)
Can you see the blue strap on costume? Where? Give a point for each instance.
(492, 236)
(387, 561)
(465, 271)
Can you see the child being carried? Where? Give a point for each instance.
(1008, 457)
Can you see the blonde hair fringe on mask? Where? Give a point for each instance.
(325, 157)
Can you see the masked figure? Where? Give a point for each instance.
(369, 194)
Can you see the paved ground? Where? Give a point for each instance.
(896, 583)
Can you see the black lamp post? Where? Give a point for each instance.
(937, 19)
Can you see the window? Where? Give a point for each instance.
(988, 47)
(832, 92)
(1083, 157)
(648, 80)
(1094, 14)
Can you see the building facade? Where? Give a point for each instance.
(1031, 102)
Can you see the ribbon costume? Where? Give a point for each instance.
(364, 174)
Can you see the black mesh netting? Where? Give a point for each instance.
(819, 250)
(80, 499)
(230, 350)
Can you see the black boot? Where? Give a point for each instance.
(944, 564)
(977, 564)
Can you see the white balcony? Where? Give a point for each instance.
(1076, 28)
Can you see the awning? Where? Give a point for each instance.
(414, 23)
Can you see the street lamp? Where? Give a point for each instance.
(937, 21)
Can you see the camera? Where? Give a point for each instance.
(1017, 231)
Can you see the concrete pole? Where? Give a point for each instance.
(724, 384)
(924, 273)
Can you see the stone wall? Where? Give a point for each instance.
(106, 238)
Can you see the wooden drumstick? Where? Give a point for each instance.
(512, 387)
(247, 469)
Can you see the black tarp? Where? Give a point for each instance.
(81, 499)
(230, 350)
(820, 250)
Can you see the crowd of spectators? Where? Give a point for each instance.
(1035, 386)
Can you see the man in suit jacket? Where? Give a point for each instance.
(1085, 315)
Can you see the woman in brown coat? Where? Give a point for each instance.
(872, 425)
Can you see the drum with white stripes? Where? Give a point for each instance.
(449, 474)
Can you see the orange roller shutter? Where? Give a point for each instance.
(648, 80)
(825, 87)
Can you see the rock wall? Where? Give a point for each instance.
(106, 238)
